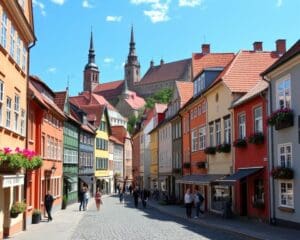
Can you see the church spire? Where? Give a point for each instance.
(91, 50)
(132, 54)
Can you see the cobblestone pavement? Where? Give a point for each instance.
(117, 221)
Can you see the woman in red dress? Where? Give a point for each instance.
(98, 199)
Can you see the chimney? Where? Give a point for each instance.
(151, 64)
(161, 62)
(280, 46)
(257, 46)
(205, 49)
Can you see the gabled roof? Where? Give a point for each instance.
(94, 113)
(60, 98)
(185, 90)
(166, 71)
(243, 72)
(292, 52)
(202, 61)
(110, 90)
(120, 133)
(134, 101)
(253, 92)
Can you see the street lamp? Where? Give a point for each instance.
(53, 169)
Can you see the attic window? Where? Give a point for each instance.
(217, 97)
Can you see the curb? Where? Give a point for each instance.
(214, 226)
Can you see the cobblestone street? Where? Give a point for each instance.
(122, 221)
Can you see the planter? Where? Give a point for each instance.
(225, 148)
(14, 215)
(240, 143)
(5, 168)
(36, 218)
(282, 173)
(256, 138)
(289, 122)
(282, 118)
(210, 150)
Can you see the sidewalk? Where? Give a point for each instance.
(247, 228)
(64, 224)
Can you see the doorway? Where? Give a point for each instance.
(244, 198)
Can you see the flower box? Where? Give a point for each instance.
(282, 173)
(281, 118)
(17, 208)
(240, 143)
(201, 164)
(225, 148)
(256, 138)
(187, 165)
(210, 150)
(36, 216)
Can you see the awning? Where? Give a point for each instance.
(87, 179)
(199, 179)
(240, 174)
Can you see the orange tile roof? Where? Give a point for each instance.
(201, 61)
(119, 132)
(134, 101)
(185, 90)
(110, 90)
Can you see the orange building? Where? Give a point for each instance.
(45, 136)
(16, 39)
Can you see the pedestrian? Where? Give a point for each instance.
(130, 189)
(98, 199)
(48, 204)
(121, 196)
(86, 197)
(136, 197)
(144, 197)
(198, 200)
(81, 198)
(188, 201)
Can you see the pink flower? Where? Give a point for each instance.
(7, 150)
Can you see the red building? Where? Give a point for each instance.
(45, 137)
(251, 175)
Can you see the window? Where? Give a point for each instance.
(203, 107)
(3, 29)
(12, 41)
(286, 194)
(22, 128)
(211, 134)
(242, 125)
(283, 93)
(194, 140)
(1, 99)
(258, 121)
(101, 163)
(218, 132)
(285, 155)
(17, 112)
(259, 191)
(24, 55)
(202, 140)
(18, 53)
(8, 112)
(227, 130)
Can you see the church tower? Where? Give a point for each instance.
(132, 66)
(91, 73)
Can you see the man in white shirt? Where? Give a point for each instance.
(188, 200)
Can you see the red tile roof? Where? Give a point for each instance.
(243, 72)
(110, 90)
(120, 133)
(60, 98)
(185, 90)
(201, 61)
(94, 113)
(166, 71)
(292, 52)
(115, 140)
(134, 101)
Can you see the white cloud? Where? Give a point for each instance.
(41, 6)
(108, 60)
(113, 18)
(158, 9)
(279, 3)
(189, 3)
(87, 4)
(59, 2)
(51, 70)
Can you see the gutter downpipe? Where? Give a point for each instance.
(271, 157)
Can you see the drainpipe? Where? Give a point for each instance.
(272, 208)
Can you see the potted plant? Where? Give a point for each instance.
(17, 208)
(281, 118)
(187, 165)
(256, 138)
(36, 216)
(201, 164)
(240, 143)
(64, 202)
(210, 150)
(282, 173)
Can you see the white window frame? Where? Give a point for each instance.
(288, 156)
(16, 112)
(286, 80)
(1, 100)
(194, 140)
(24, 58)
(258, 120)
(242, 125)
(18, 50)
(202, 138)
(12, 41)
(218, 132)
(8, 112)
(211, 134)
(286, 194)
(227, 130)
(3, 29)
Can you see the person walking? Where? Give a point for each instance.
(144, 197)
(188, 201)
(198, 200)
(98, 199)
(48, 204)
(130, 189)
(135, 197)
(81, 198)
(86, 197)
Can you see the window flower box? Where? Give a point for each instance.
(187, 165)
(256, 138)
(240, 143)
(201, 164)
(210, 150)
(282, 118)
(282, 173)
(17, 208)
(225, 148)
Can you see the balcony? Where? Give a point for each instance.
(282, 118)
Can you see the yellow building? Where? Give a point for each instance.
(16, 39)
(154, 159)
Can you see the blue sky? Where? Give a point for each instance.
(168, 29)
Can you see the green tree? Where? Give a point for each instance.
(162, 96)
